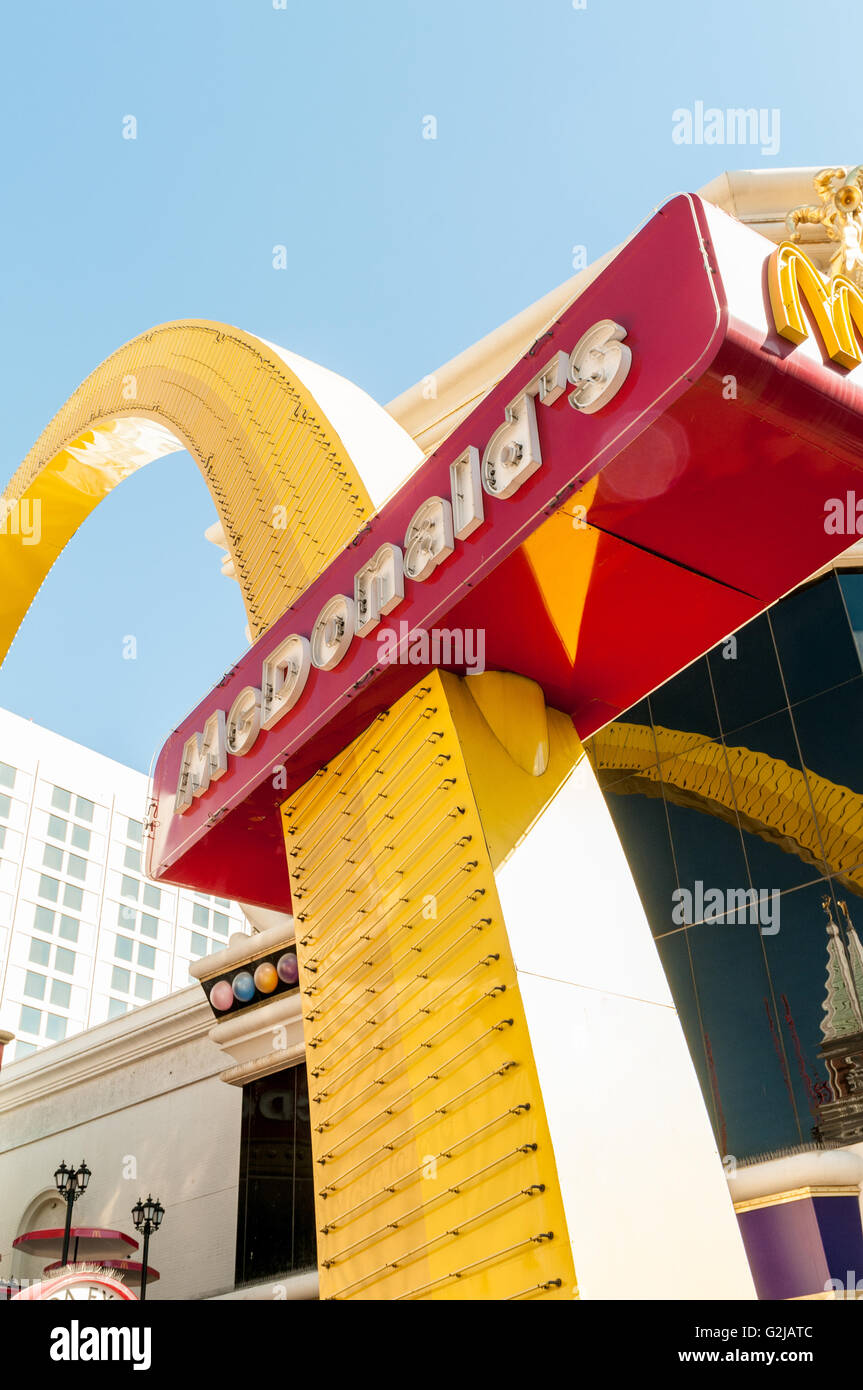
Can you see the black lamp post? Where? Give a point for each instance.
(71, 1184)
(147, 1217)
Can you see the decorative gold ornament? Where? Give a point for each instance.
(841, 214)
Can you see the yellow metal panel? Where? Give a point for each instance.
(435, 1173)
(508, 796)
(284, 487)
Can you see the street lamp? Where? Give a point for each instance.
(71, 1184)
(147, 1217)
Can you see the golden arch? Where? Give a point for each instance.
(769, 797)
(837, 308)
(287, 494)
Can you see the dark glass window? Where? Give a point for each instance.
(276, 1211)
(772, 792)
(814, 640)
(851, 584)
(746, 676)
(766, 811)
(687, 703)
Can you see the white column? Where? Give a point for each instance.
(645, 1194)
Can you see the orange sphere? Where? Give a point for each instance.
(266, 978)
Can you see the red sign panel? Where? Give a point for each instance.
(637, 534)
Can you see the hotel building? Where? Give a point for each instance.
(84, 937)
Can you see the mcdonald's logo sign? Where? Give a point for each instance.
(836, 307)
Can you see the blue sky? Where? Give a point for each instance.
(303, 126)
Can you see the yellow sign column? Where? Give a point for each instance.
(435, 1176)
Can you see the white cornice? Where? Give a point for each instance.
(249, 1038)
(178, 1018)
(819, 1168)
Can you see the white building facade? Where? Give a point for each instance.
(84, 937)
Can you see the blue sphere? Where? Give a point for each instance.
(243, 987)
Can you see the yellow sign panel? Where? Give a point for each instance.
(435, 1175)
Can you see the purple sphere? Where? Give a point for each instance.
(288, 970)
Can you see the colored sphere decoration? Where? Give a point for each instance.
(221, 996)
(288, 969)
(266, 977)
(244, 987)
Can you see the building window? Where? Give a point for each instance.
(130, 888)
(43, 919)
(64, 961)
(52, 857)
(152, 895)
(149, 925)
(73, 897)
(83, 808)
(55, 1027)
(61, 994)
(201, 916)
(220, 924)
(40, 951)
(30, 1020)
(120, 980)
(135, 831)
(7, 776)
(68, 928)
(61, 800)
(116, 1007)
(81, 837)
(58, 828)
(76, 866)
(34, 985)
(146, 957)
(200, 944)
(276, 1209)
(143, 987)
(23, 1049)
(123, 948)
(132, 859)
(5, 807)
(48, 888)
(126, 918)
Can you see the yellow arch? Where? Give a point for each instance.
(768, 796)
(287, 494)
